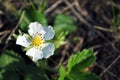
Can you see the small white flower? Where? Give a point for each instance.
(39, 48)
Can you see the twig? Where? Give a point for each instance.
(2, 37)
(77, 5)
(107, 70)
(113, 4)
(5, 32)
(16, 27)
(53, 6)
(84, 21)
(64, 52)
(77, 14)
(68, 7)
(1, 25)
(78, 46)
(104, 29)
(109, 66)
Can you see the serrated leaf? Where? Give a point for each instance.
(62, 73)
(8, 57)
(64, 23)
(84, 64)
(78, 58)
(82, 76)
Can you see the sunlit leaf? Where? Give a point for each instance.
(84, 64)
(80, 58)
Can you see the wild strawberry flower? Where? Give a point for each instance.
(36, 40)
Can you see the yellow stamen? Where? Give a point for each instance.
(37, 41)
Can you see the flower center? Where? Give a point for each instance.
(37, 41)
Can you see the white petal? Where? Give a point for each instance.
(48, 50)
(23, 41)
(35, 28)
(35, 53)
(49, 33)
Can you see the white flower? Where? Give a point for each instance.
(36, 40)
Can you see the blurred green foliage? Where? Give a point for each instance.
(63, 25)
(13, 67)
(31, 15)
(8, 57)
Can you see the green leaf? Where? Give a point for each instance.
(35, 15)
(64, 23)
(84, 64)
(24, 22)
(8, 57)
(23, 70)
(76, 64)
(59, 39)
(31, 15)
(80, 58)
(43, 6)
(13, 67)
(82, 76)
(62, 73)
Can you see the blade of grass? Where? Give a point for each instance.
(32, 4)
